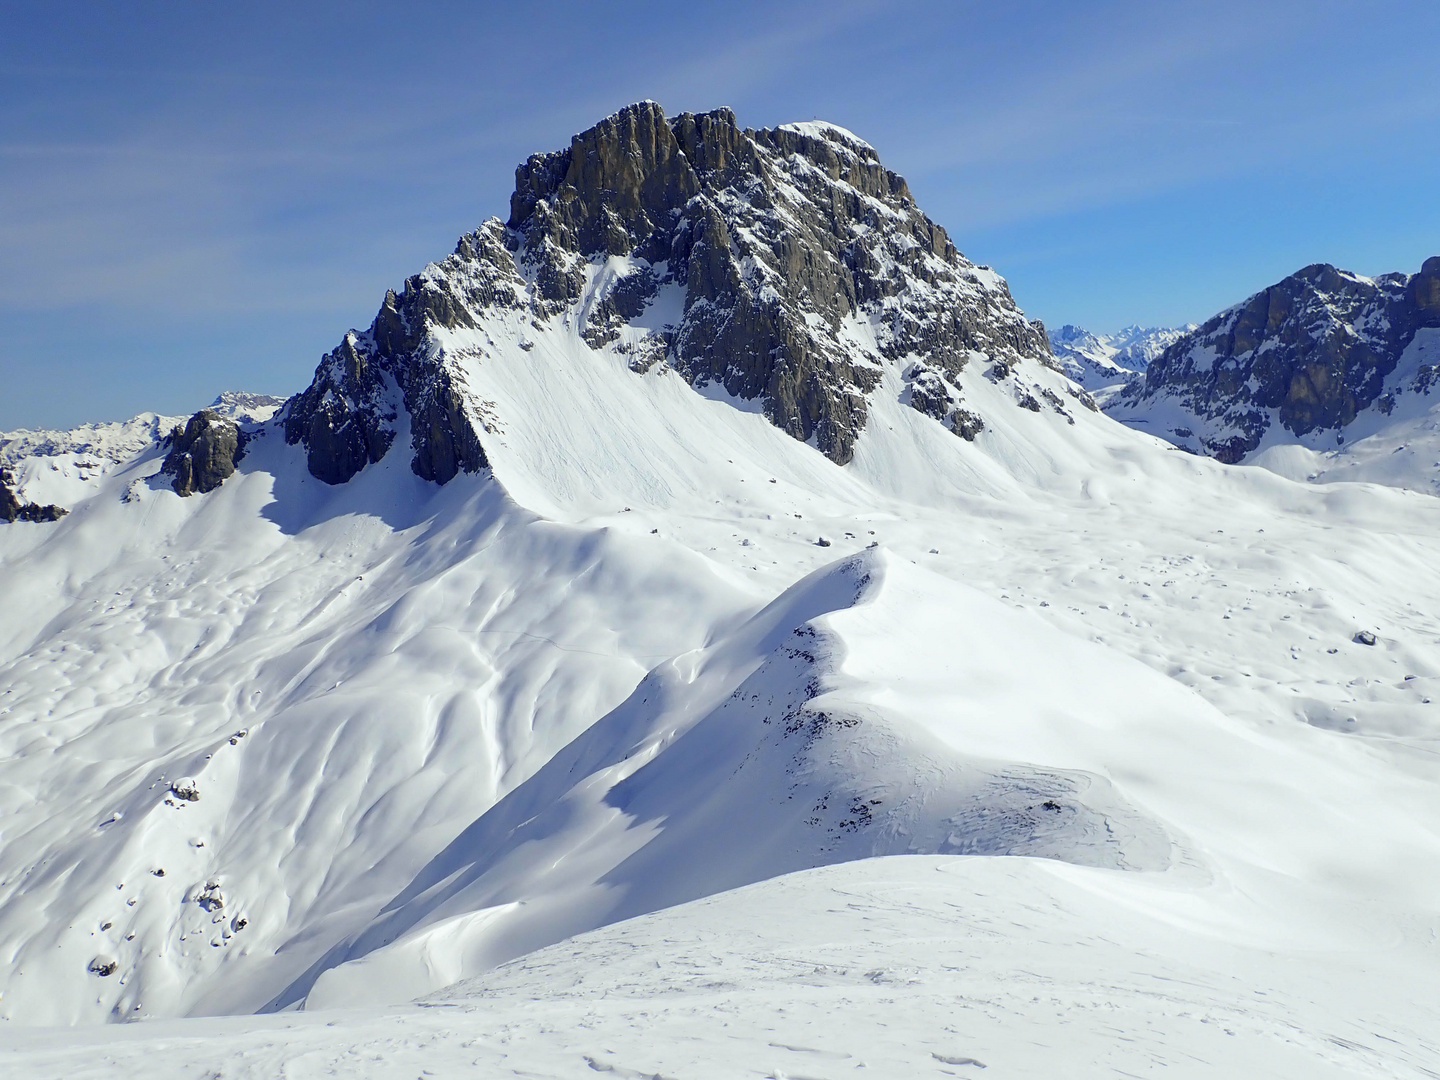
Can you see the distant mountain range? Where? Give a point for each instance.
(1102, 361)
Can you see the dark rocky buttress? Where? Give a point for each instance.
(1310, 353)
(203, 453)
(804, 263)
(13, 509)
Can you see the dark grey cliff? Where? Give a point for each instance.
(203, 453)
(783, 241)
(12, 509)
(1309, 353)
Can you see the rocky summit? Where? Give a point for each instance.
(203, 453)
(786, 267)
(1307, 356)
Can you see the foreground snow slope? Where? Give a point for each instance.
(915, 966)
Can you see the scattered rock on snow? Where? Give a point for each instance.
(1364, 637)
(210, 897)
(12, 509)
(186, 788)
(104, 965)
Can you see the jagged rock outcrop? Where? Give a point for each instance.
(13, 509)
(799, 263)
(203, 453)
(1310, 353)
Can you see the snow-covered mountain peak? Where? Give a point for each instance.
(246, 408)
(784, 549)
(1303, 361)
(786, 269)
(1105, 362)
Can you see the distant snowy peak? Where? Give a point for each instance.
(62, 467)
(1136, 346)
(786, 267)
(246, 408)
(1097, 361)
(1304, 360)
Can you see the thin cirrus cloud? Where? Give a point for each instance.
(197, 201)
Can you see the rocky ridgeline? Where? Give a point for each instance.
(1309, 353)
(805, 267)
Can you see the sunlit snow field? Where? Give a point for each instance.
(1056, 757)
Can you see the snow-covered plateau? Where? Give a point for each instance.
(548, 691)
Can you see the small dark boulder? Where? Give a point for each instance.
(186, 788)
(202, 453)
(1364, 637)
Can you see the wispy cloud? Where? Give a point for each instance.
(248, 167)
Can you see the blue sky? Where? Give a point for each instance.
(197, 197)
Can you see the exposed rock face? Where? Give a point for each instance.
(1310, 353)
(347, 418)
(803, 266)
(12, 509)
(203, 453)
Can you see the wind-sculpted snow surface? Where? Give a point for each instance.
(1158, 732)
(748, 759)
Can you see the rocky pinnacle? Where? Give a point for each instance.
(805, 267)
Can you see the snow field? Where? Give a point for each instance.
(1096, 701)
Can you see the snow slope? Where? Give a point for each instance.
(445, 762)
(917, 966)
(999, 734)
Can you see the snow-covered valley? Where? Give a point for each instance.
(667, 744)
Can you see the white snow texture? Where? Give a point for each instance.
(1059, 758)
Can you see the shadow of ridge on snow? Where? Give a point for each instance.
(387, 489)
(738, 762)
